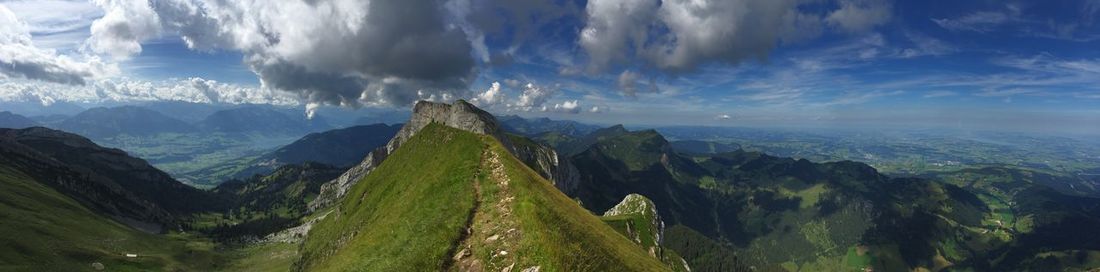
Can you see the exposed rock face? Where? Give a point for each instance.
(649, 232)
(636, 204)
(332, 191)
(550, 164)
(460, 115)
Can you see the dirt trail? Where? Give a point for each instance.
(460, 248)
(493, 237)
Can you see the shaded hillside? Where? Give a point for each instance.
(128, 120)
(106, 180)
(270, 203)
(288, 189)
(781, 213)
(339, 147)
(45, 230)
(454, 200)
(572, 144)
(11, 120)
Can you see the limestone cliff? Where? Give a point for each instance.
(636, 218)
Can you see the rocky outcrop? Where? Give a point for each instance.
(551, 164)
(636, 218)
(461, 115)
(638, 205)
(332, 191)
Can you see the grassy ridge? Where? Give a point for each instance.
(411, 212)
(43, 230)
(563, 236)
(406, 214)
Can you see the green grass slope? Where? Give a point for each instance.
(453, 200)
(559, 234)
(43, 230)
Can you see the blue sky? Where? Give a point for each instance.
(1011, 65)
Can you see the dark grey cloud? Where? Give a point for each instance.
(630, 83)
(46, 71)
(679, 35)
(339, 52)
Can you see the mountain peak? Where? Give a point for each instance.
(104, 122)
(461, 115)
(12, 120)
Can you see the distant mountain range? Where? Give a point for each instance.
(104, 122)
(261, 120)
(389, 118)
(340, 148)
(189, 112)
(11, 120)
(528, 127)
(573, 144)
(130, 120)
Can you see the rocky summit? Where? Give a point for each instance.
(463, 116)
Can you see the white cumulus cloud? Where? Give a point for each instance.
(195, 90)
(20, 58)
(571, 106)
(533, 97)
(492, 96)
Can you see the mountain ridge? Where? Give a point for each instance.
(463, 116)
(104, 179)
(450, 199)
(104, 122)
(772, 211)
(12, 120)
(250, 119)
